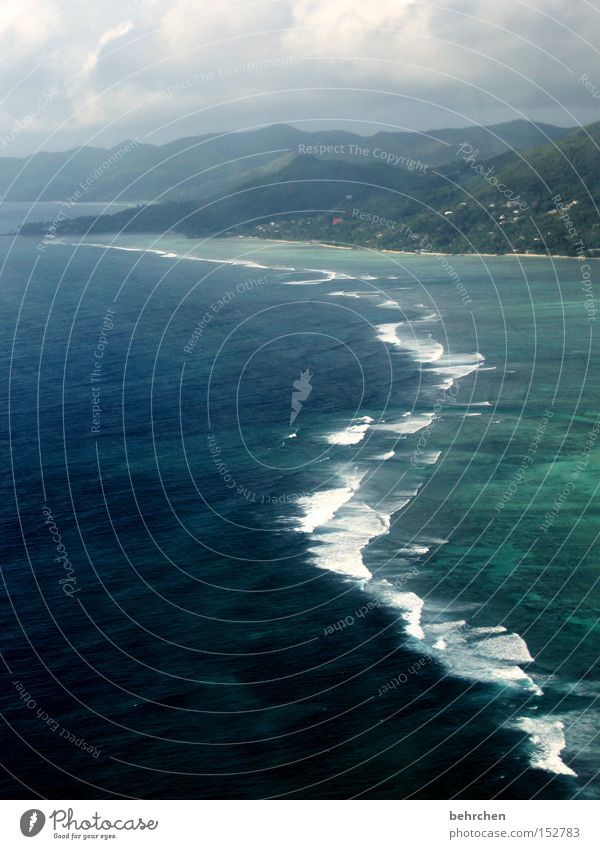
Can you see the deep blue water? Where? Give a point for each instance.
(220, 633)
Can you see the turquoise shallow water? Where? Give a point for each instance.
(394, 594)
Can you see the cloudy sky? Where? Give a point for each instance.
(100, 71)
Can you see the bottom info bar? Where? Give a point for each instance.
(301, 824)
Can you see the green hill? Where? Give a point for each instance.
(500, 204)
(201, 166)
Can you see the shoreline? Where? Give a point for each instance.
(316, 243)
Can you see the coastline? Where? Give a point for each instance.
(322, 244)
(489, 651)
(316, 243)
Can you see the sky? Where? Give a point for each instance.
(101, 71)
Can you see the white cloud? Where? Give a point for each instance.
(108, 59)
(109, 35)
(26, 23)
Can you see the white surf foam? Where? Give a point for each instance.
(548, 739)
(430, 457)
(332, 275)
(387, 333)
(510, 647)
(427, 350)
(387, 455)
(426, 319)
(488, 654)
(488, 629)
(411, 423)
(455, 366)
(353, 434)
(119, 248)
(321, 507)
(414, 548)
(342, 526)
(340, 543)
(424, 349)
(247, 263)
(308, 282)
(410, 605)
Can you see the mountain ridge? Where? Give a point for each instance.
(513, 202)
(184, 169)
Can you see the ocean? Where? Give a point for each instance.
(284, 520)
